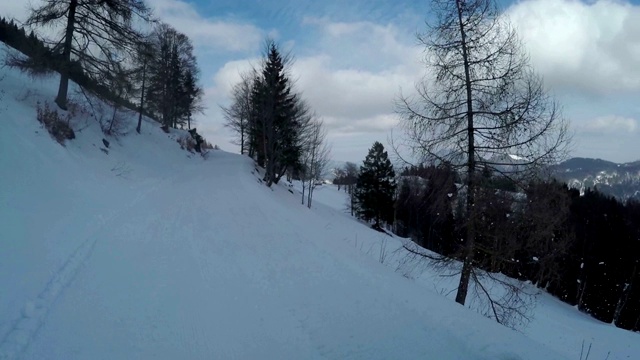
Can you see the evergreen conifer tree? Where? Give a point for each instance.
(374, 192)
(277, 129)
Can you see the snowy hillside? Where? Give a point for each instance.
(144, 251)
(554, 323)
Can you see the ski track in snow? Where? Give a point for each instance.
(34, 313)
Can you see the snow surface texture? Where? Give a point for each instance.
(144, 251)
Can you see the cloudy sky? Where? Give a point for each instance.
(352, 58)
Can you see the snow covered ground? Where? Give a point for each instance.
(148, 252)
(554, 323)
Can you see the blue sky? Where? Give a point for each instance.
(353, 57)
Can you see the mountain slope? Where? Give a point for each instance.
(144, 251)
(619, 180)
(214, 265)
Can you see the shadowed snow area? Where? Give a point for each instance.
(145, 251)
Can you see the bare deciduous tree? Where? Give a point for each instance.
(142, 59)
(315, 158)
(481, 106)
(347, 177)
(172, 92)
(97, 34)
(118, 83)
(237, 115)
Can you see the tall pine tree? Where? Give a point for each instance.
(276, 132)
(374, 192)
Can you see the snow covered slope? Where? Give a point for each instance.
(149, 252)
(554, 323)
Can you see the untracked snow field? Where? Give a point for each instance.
(145, 251)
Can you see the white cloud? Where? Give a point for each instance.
(610, 124)
(342, 79)
(229, 75)
(206, 32)
(610, 137)
(357, 72)
(591, 47)
(375, 125)
(364, 44)
(347, 94)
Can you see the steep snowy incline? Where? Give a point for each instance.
(214, 265)
(555, 324)
(142, 251)
(54, 199)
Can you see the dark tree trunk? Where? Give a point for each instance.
(624, 296)
(467, 265)
(63, 89)
(242, 130)
(144, 78)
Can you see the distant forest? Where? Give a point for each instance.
(585, 250)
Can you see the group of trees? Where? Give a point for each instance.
(521, 233)
(168, 71)
(485, 125)
(424, 207)
(103, 47)
(481, 116)
(28, 44)
(584, 249)
(99, 35)
(479, 102)
(35, 58)
(599, 274)
(275, 126)
(315, 158)
(346, 177)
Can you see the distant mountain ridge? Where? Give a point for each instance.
(619, 180)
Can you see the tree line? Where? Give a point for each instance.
(115, 50)
(583, 249)
(486, 131)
